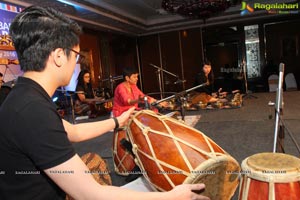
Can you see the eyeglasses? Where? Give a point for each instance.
(79, 56)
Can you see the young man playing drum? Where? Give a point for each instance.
(35, 144)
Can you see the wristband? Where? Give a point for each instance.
(116, 122)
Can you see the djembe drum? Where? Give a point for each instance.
(123, 160)
(270, 176)
(170, 153)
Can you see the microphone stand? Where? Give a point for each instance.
(279, 131)
(163, 70)
(180, 97)
(112, 80)
(280, 125)
(159, 77)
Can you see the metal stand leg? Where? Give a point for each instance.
(278, 109)
(72, 109)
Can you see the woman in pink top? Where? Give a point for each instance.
(127, 94)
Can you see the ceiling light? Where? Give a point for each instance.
(196, 8)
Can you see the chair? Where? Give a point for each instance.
(273, 82)
(290, 82)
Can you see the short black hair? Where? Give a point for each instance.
(38, 31)
(128, 71)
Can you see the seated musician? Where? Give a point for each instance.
(127, 94)
(205, 94)
(86, 99)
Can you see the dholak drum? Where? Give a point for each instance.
(270, 176)
(123, 160)
(170, 153)
(97, 168)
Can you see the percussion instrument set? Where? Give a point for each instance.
(168, 153)
(67, 100)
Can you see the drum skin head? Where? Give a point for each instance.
(275, 167)
(273, 161)
(220, 176)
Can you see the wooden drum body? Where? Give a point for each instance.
(123, 160)
(270, 176)
(170, 153)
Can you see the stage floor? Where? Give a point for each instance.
(241, 132)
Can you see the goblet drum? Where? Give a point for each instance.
(170, 153)
(270, 176)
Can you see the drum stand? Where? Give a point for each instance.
(180, 98)
(279, 122)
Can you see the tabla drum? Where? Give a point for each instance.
(123, 160)
(270, 176)
(171, 153)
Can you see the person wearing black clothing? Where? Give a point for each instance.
(38, 158)
(205, 93)
(85, 97)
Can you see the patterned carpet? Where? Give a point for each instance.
(192, 120)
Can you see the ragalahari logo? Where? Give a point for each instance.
(246, 8)
(271, 8)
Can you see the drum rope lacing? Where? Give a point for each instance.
(115, 152)
(177, 140)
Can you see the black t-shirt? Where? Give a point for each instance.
(200, 79)
(32, 139)
(4, 90)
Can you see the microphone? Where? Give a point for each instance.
(147, 106)
(179, 81)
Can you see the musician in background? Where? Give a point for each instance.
(206, 75)
(86, 99)
(127, 94)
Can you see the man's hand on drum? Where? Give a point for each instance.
(124, 117)
(188, 191)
